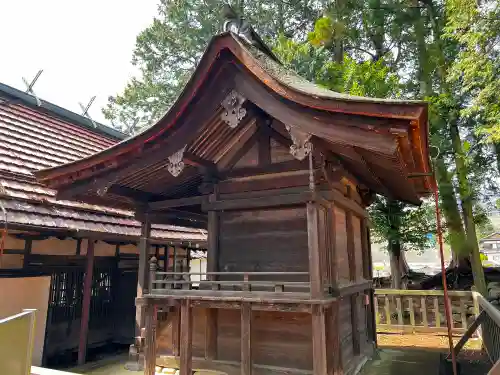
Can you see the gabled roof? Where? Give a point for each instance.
(491, 237)
(381, 141)
(35, 137)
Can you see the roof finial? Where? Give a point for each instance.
(29, 87)
(85, 111)
(239, 26)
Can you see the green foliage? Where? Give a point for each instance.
(442, 51)
(408, 225)
(475, 26)
(167, 51)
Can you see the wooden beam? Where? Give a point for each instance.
(172, 203)
(246, 338)
(186, 345)
(178, 134)
(315, 275)
(315, 122)
(133, 194)
(204, 165)
(287, 166)
(250, 203)
(243, 150)
(87, 291)
(27, 252)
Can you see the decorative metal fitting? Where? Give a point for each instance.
(234, 111)
(301, 147)
(176, 163)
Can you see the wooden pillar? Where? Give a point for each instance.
(143, 272)
(165, 259)
(27, 252)
(315, 274)
(176, 331)
(186, 356)
(87, 291)
(212, 266)
(246, 338)
(150, 340)
(319, 337)
(368, 274)
(351, 253)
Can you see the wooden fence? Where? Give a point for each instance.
(411, 311)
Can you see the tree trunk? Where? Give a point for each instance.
(396, 255)
(497, 154)
(451, 213)
(466, 196)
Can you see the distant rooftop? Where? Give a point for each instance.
(14, 95)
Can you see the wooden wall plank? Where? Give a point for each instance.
(211, 333)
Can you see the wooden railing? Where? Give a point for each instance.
(410, 311)
(227, 283)
(489, 319)
(488, 323)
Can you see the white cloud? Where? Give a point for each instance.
(84, 47)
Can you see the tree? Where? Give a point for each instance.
(403, 228)
(167, 52)
(443, 51)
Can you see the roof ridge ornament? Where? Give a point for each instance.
(234, 111)
(176, 163)
(301, 146)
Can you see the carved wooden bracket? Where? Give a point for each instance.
(234, 111)
(176, 163)
(301, 147)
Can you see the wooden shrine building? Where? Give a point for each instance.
(70, 240)
(280, 172)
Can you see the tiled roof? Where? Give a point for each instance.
(34, 138)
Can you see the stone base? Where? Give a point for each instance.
(136, 359)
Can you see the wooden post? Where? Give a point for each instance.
(246, 338)
(87, 291)
(152, 274)
(212, 266)
(320, 358)
(315, 274)
(186, 357)
(165, 259)
(176, 332)
(150, 340)
(353, 273)
(27, 252)
(142, 282)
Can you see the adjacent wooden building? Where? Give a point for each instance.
(280, 172)
(75, 243)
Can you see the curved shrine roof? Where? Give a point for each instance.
(382, 142)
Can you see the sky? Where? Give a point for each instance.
(83, 46)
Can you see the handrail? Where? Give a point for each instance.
(487, 306)
(489, 321)
(236, 273)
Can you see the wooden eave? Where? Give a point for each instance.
(382, 141)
